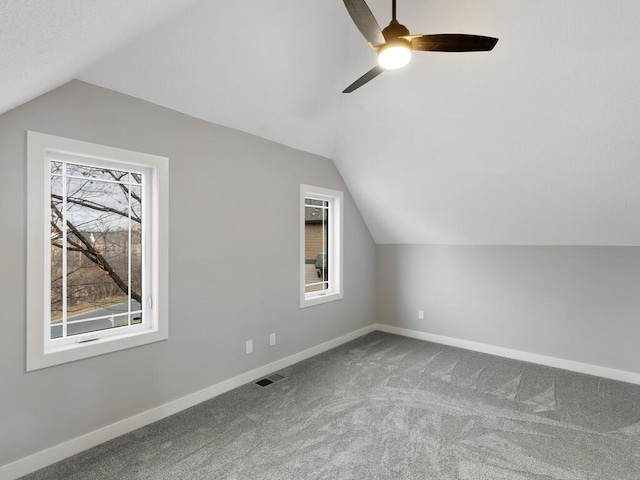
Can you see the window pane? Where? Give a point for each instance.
(87, 322)
(97, 255)
(56, 257)
(316, 245)
(96, 173)
(136, 253)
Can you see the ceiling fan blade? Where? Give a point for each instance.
(453, 42)
(365, 21)
(370, 75)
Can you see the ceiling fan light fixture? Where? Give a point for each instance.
(394, 54)
(395, 43)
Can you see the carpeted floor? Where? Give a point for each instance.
(389, 407)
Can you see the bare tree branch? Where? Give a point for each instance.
(127, 192)
(96, 206)
(89, 251)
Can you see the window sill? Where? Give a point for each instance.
(100, 346)
(311, 300)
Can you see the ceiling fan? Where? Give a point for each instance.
(394, 44)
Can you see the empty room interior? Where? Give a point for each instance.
(320, 240)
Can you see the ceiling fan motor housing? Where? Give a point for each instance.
(395, 30)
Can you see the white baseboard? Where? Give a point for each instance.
(612, 373)
(59, 452)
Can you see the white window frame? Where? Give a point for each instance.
(41, 350)
(335, 246)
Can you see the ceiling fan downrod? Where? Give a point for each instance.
(395, 29)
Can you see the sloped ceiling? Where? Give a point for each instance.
(271, 68)
(534, 143)
(45, 43)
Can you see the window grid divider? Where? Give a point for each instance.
(129, 281)
(64, 253)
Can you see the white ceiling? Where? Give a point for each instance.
(534, 143)
(44, 43)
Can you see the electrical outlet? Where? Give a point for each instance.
(420, 314)
(272, 339)
(249, 346)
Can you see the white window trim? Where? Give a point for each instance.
(39, 148)
(335, 263)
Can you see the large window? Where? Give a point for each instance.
(320, 245)
(97, 249)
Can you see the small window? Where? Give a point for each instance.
(320, 245)
(97, 247)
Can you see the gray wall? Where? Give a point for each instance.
(574, 303)
(233, 266)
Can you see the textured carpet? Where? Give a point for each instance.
(389, 407)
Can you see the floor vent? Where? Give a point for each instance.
(276, 377)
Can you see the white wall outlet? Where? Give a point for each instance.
(249, 346)
(420, 314)
(272, 339)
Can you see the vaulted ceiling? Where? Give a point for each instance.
(534, 143)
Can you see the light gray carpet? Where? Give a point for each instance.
(389, 407)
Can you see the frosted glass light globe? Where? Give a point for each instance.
(393, 56)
